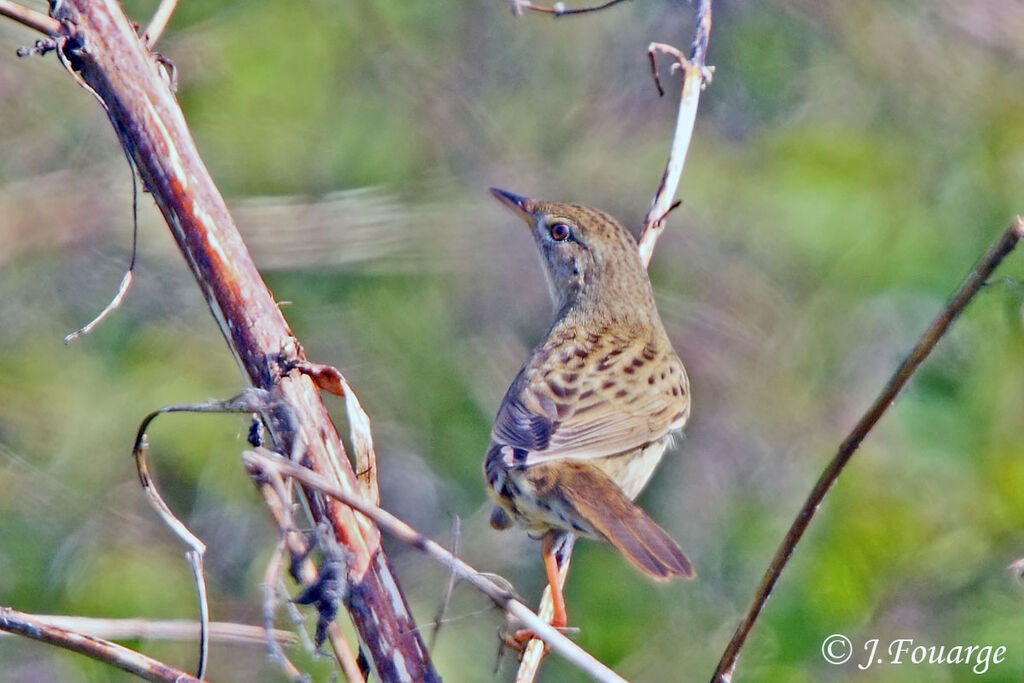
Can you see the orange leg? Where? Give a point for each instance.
(560, 619)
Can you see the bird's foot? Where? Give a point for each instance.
(519, 639)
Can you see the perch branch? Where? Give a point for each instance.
(695, 77)
(263, 461)
(101, 650)
(108, 55)
(974, 282)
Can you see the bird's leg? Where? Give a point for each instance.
(559, 619)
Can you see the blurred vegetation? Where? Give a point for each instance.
(851, 161)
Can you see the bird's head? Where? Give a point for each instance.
(589, 257)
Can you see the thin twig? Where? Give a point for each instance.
(158, 23)
(196, 547)
(262, 461)
(449, 588)
(101, 650)
(37, 21)
(559, 9)
(126, 281)
(271, 598)
(974, 282)
(695, 77)
(122, 291)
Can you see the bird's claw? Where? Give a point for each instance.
(519, 639)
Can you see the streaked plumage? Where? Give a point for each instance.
(589, 416)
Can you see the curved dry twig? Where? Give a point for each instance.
(974, 282)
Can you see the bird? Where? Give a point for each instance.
(593, 409)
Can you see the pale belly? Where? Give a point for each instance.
(632, 470)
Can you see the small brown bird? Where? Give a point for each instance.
(590, 414)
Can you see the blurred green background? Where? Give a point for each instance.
(851, 161)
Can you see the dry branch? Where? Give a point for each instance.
(970, 287)
(166, 629)
(98, 42)
(101, 650)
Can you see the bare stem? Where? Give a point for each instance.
(101, 650)
(695, 77)
(975, 280)
(166, 629)
(158, 23)
(30, 18)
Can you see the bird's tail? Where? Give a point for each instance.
(605, 508)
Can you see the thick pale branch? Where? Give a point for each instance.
(970, 287)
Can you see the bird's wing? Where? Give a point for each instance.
(620, 395)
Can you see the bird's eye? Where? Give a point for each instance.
(559, 231)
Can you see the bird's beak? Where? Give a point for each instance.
(521, 205)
